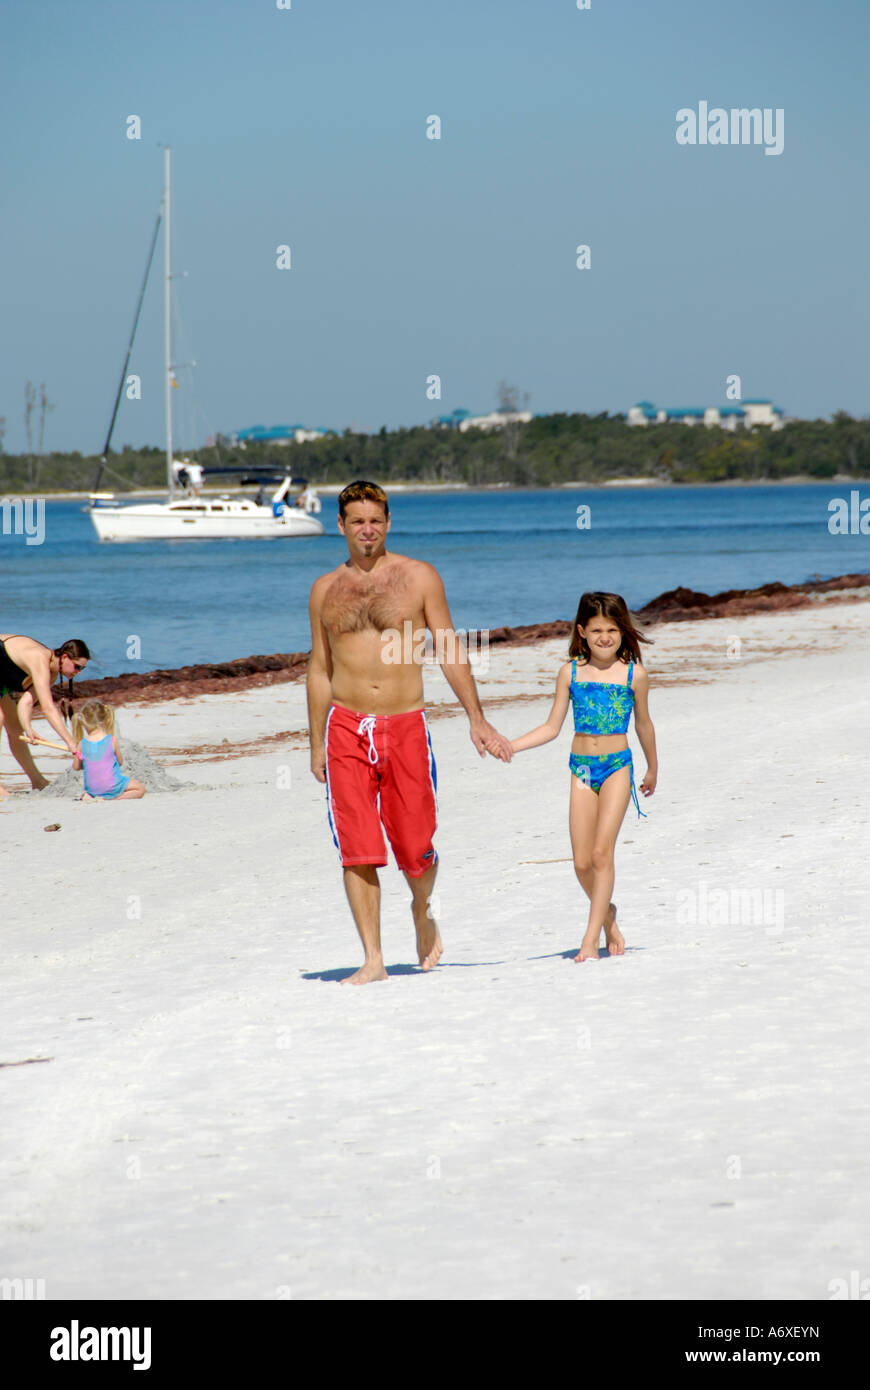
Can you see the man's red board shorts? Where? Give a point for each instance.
(381, 769)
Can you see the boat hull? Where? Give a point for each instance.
(163, 523)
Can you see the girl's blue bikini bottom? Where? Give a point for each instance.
(595, 771)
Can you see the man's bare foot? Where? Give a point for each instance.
(371, 970)
(38, 786)
(613, 937)
(429, 943)
(589, 948)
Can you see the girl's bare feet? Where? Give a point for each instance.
(589, 948)
(613, 938)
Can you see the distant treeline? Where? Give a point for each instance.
(550, 450)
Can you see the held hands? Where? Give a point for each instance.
(486, 739)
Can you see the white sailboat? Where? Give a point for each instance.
(185, 515)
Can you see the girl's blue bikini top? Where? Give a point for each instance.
(601, 707)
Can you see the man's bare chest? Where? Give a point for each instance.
(357, 603)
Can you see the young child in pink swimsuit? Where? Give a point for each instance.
(100, 756)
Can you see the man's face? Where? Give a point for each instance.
(364, 527)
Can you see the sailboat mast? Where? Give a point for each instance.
(167, 317)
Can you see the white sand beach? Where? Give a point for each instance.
(216, 1118)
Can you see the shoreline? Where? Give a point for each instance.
(277, 668)
(333, 489)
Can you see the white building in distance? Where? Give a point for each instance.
(277, 434)
(727, 417)
(495, 420)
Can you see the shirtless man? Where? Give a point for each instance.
(369, 738)
(29, 667)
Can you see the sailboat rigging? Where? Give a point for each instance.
(185, 515)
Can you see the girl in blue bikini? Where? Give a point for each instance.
(604, 680)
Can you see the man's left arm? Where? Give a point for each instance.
(453, 659)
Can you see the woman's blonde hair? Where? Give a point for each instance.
(93, 715)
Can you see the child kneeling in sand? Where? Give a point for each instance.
(604, 642)
(101, 756)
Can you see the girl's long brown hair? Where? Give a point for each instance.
(613, 606)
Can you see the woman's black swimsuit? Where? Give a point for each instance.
(12, 677)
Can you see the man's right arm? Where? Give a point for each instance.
(319, 682)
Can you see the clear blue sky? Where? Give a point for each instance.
(307, 127)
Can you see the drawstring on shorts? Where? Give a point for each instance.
(367, 726)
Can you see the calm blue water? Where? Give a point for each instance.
(505, 557)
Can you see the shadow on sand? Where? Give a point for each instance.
(602, 954)
(342, 973)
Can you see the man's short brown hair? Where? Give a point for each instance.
(361, 491)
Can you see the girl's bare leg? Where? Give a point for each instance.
(582, 822)
(133, 789)
(582, 840)
(612, 798)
